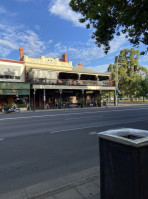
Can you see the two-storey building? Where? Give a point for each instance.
(56, 82)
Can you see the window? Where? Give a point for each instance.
(17, 77)
(9, 77)
(6, 77)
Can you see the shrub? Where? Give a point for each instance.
(22, 105)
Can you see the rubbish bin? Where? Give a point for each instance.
(123, 164)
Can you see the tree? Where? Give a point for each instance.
(111, 17)
(143, 89)
(129, 79)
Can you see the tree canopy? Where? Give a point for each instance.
(143, 88)
(111, 17)
(129, 79)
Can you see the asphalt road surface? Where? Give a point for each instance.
(39, 146)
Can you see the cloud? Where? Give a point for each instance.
(118, 43)
(31, 43)
(89, 51)
(80, 51)
(144, 58)
(7, 44)
(62, 9)
(37, 27)
(101, 68)
(53, 55)
(14, 37)
(4, 11)
(49, 42)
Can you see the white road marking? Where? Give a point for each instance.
(1, 139)
(77, 118)
(67, 114)
(87, 127)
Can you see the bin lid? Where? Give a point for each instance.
(126, 136)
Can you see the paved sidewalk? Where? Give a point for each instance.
(80, 185)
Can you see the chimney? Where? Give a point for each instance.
(64, 57)
(80, 64)
(21, 54)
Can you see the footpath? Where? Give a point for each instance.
(80, 185)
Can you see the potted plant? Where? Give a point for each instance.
(59, 103)
(22, 107)
(81, 102)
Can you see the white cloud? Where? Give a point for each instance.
(49, 42)
(57, 45)
(12, 38)
(7, 44)
(118, 43)
(88, 52)
(101, 68)
(53, 55)
(62, 9)
(37, 27)
(144, 58)
(31, 43)
(80, 51)
(4, 11)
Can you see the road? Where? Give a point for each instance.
(39, 146)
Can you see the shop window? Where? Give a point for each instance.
(6, 77)
(17, 77)
(9, 77)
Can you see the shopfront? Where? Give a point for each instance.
(12, 92)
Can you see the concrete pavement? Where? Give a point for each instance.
(81, 185)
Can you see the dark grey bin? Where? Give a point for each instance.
(123, 164)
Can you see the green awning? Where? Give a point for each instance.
(14, 92)
(17, 85)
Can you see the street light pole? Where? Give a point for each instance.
(83, 97)
(60, 98)
(116, 83)
(44, 98)
(34, 100)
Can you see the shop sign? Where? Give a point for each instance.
(14, 92)
(9, 85)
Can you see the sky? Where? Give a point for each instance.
(50, 28)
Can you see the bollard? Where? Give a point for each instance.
(123, 164)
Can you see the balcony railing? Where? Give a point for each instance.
(68, 82)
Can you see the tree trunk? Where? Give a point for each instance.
(131, 98)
